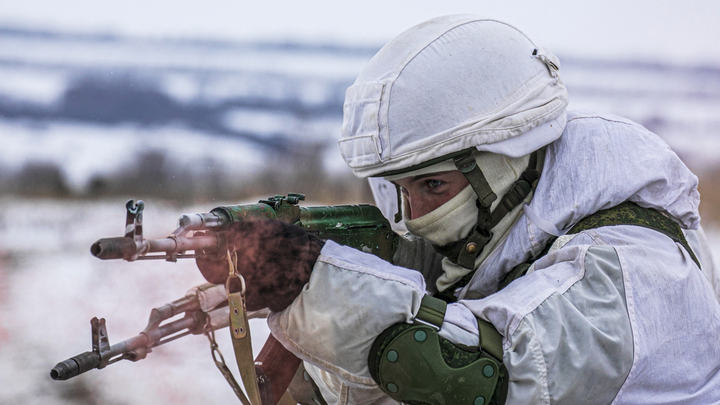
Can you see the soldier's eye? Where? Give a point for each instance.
(434, 183)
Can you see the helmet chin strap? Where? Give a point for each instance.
(398, 214)
(465, 251)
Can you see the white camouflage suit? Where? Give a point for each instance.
(616, 314)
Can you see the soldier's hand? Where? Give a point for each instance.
(274, 257)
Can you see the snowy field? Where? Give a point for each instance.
(219, 94)
(50, 288)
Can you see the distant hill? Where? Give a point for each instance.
(279, 104)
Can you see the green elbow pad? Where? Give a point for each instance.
(414, 365)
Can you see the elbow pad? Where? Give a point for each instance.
(412, 364)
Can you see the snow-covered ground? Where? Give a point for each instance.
(50, 288)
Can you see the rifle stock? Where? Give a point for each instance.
(275, 367)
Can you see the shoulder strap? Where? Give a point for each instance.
(432, 312)
(629, 213)
(626, 213)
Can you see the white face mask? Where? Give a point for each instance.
(450, 222)
(455, 219)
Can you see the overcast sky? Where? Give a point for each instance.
(682, 32)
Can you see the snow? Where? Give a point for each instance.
(274, 123)
(51, 288)
(37, 87)
(84, 154)
(122, 53)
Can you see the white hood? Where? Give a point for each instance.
(600, 161)
(450, 84)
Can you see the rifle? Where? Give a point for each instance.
(205, 307)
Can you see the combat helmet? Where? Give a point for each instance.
(443, 91)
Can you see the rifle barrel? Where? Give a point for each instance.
(126, 248)
(75, 366)
(113, 248)
(133, 349)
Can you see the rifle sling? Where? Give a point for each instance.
(242, 345)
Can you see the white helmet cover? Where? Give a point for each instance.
(450, 84)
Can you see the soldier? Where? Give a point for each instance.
(546, 260)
